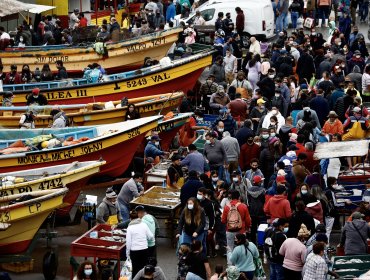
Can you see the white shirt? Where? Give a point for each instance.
(199, 20)
(365, 82)
(230, 64)
(137, 237)
(255, 47)
(5, 36)
(266, 121)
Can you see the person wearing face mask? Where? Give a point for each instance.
(243, 254)
(232, 149)
(264, 137)
(356, 60)
(13, 77)
(108, 210)
(130, 190)
(86, 271)
(175, 175)
(274, 112)
(191, 187)
(245, 132)
(278, 101)
(241, 185)
(219, 129)
(254, 170)
(274, 238)
(305, 195)
(35, 98)
(241, 82)
(229, 124)
(153, 150)
(305, 65)
(219, 100)
(191, 223)
(257, 113)
(215, 154)
(267, 84)
(294, 251)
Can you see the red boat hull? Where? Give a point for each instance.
(183, 83)
(15, 248)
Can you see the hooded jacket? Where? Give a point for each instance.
(256, 200)
(157, 275)
(278, 207)
(151, 222)
(106, 209)
(354, 240)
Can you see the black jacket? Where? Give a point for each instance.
(298, 218)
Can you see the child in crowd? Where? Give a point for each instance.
(182, 268)
(219, 270)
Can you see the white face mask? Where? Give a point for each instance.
(88, 272)
(190, 206)
(156, 143)
(214, 179)
(272, 123)
(199, 197)
(358, 56)
(221, 130)
(235, 179)
(271, 76)
(208, 141)
(274, 112)
(265, 136)
(304, 191)
(272, 134)
(277, 94)
(199, 119)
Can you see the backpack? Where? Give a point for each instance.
(269, 246)
(234, 220)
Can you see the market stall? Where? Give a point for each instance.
(101, 242)
(163, 204)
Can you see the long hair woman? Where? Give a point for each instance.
(86, 271)
(192, 222)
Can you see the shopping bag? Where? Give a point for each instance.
(126, 270)
(259, 272)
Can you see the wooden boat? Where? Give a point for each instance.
(122, 56)
(181, 74)
(114, 143)
(84, 114)
(25, 217)
(73, 175)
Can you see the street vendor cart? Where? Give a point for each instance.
(101, 242)
(163, 204)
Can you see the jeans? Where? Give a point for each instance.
(363, 11)
(192, 276)
(185, 238)
(324, 13)
(294, 16)
(280, 22)
(276, 271)
(230, 238)
(249, 274)
(124, 211)
(329, 222)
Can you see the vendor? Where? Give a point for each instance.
(60, 120)
(175, 176)
(153, 149)
(107, 212)
(36, 98)
(27, 120)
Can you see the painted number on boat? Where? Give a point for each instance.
(135, 83)
(34, 208)
(51, 184)
(4, 217)
(133, 133)
(91, 148)
(165, 127)
(51, 59)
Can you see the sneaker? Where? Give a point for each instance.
(217, 247)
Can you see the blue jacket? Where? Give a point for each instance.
(152, 151)
(190, 189)
(171, 12)
(229, 124)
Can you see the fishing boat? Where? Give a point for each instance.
(88, 114)
(25, 213)
(122, 56)
(179, 74)
(115, 143)
(73, 175)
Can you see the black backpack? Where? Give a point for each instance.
(269, 247)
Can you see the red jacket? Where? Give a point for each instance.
(278, 207)
(239, 22)
(244, 213)
(247, 153)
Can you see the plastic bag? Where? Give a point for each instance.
(126, 270)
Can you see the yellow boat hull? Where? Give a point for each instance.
(122, 56)
(26, 220)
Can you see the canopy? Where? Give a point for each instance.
(9, 7)
(341, 149)
(37, 9)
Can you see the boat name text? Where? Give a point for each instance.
(66, 94)
(133, 133)
(60, 155)
(142, 46)
(143, 81)
(4, 217)
(164, 126)
(51, 59)
(34, 208)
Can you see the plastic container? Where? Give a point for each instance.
(94, 234)
(261, 234)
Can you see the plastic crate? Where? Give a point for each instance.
(360, 266)
(18, 267)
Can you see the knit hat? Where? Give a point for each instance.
(110, 193)
(321, 228)
(233, 273)
(303, 231)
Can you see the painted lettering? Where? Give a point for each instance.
(51, 184)
(81, 92)
(41, 59)
(165, 127)
(160, 77)
(91, 148)
(136, 83)
(4, 216)
(136, 47)
(133, 133)
(61, 94)
(146, 108)
(116, 86)
(52, 59)
(41, 158)
(34, 208)
(158, 41)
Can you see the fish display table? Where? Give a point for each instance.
(157, 174)
(100, 242)
(162, 203)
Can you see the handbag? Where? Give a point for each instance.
(126, 270)
(259, 272)
(308, 22)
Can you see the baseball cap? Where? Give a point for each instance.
(257, 179)
(261, 101)
(36, 91)
(139, 208)
(357, 215)
(357, 109)
(280, 179)
(287, 162)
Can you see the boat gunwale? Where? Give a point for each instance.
(175, 64)
(90, 141)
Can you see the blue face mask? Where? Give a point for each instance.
(285, 230)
